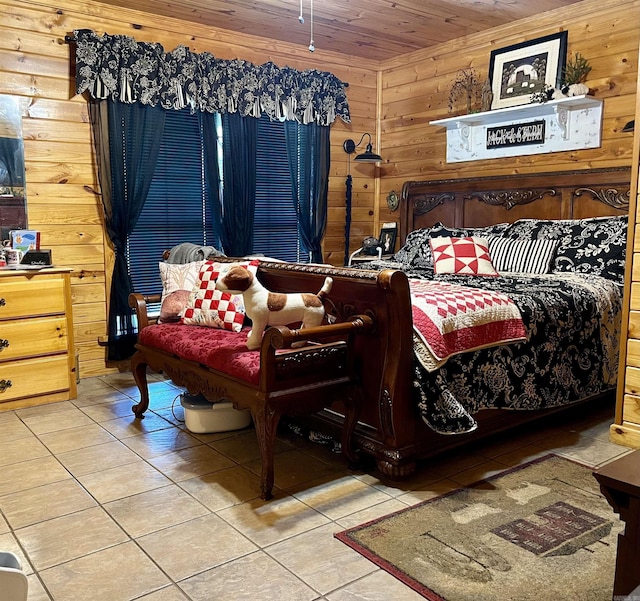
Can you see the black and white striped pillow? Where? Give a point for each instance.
(524, 256)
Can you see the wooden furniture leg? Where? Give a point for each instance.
(265, 420)
(352, 411)
(139, 370)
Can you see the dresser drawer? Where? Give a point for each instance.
(22, 338)
(31, 377)
(37, 360)
(20, 297)
(631, 409)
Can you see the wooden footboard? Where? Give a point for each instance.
(388, 421)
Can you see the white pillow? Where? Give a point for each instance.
(176, 277)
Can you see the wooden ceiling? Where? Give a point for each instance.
(371, 29)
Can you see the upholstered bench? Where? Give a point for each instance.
(270, 382)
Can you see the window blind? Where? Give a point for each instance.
(276, 222)
(176, 209)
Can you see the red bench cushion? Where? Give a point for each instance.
(221, 350)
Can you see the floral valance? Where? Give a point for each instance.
(119, 67)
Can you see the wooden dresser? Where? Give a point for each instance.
(37, 361)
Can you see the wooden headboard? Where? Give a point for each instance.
(480, 201)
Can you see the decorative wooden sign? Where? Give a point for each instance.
(516, 135)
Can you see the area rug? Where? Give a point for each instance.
(540, 531)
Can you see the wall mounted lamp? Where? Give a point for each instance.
(368, 156)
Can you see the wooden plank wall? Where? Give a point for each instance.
(35, 65)
(626, 428)
(394, 102)
(415, 91)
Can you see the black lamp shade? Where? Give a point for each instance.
(368, 156)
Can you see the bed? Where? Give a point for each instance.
(570, 309)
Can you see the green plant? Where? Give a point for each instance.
(576, 69)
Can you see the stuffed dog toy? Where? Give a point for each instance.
(266, 308)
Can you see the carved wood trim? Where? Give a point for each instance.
(334, 358)
(193, 382)
(306, 268)
(386, 412)
(425, 203)
(340, 311)
(454, 183)
(511, 198)
(610, 196)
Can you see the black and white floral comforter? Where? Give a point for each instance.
(572, 316)
(573, 330)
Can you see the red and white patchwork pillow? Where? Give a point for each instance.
(208, 306)
(468, 256)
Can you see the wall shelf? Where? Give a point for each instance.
(567, 124)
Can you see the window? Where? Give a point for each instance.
(177, 209)
(276, 222)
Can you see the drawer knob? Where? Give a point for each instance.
(4, 343)
(2, 302)
(4, 384)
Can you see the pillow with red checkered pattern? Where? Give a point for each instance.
(208, 306)
(468, 256)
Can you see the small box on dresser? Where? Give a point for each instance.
(37, 362)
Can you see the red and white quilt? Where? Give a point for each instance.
(449, 319)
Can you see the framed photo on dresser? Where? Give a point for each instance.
(387, 238)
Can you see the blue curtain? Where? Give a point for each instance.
(134, 136)
(309, 155)
(239, 191)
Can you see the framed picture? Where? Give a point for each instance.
(388, 239)
(516, 72)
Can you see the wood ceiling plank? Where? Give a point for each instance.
(371, 29)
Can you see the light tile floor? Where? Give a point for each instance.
(101, 506)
